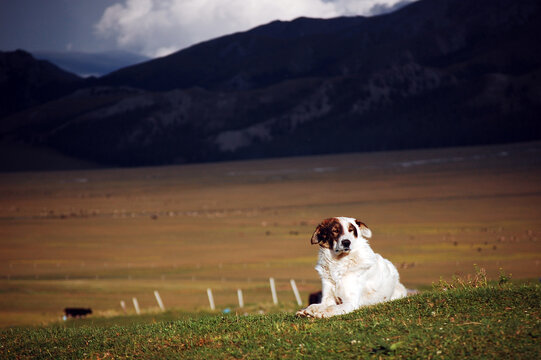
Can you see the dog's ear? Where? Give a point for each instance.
(315, 236)
(328, 231)
(365, 231)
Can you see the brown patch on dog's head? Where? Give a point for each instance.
(353, 229)
(327, 232)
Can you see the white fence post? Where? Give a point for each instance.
(241, 299)
(211, 299)
(123, 305)
(136, 305)
(159, 300)
(273, 291)
(296, 291)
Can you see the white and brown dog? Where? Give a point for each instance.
(352, 275)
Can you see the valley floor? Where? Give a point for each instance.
(93, 238)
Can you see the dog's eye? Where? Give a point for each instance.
(352, 229)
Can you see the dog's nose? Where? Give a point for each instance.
(346, 243)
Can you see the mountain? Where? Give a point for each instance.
(90, 64)
(26, 82)
(261, 57)
(434, 73)
(431, 33)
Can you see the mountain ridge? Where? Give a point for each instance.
(434, 73)
(26, 82)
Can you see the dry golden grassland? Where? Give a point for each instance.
(93, 238)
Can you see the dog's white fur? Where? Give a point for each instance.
(351, 276)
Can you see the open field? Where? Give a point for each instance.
(93, 238)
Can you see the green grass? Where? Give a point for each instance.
(465, 321)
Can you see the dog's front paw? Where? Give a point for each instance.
(313, 310)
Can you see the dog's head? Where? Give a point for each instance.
(341, 235)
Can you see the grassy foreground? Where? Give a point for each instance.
(485, 322)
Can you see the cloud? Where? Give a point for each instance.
(160, 27)
(384, 8)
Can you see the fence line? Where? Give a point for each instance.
(210, 296)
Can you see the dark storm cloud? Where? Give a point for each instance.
(52, 25)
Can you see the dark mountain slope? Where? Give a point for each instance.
(435, 73)
(25, 81)
(427, 32)
(257, 58)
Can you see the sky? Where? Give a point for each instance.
(153, 27)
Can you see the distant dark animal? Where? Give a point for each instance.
(315, 298)
(77, 312)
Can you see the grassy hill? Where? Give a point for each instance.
(490, 321)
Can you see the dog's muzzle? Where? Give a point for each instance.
(345, 246)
